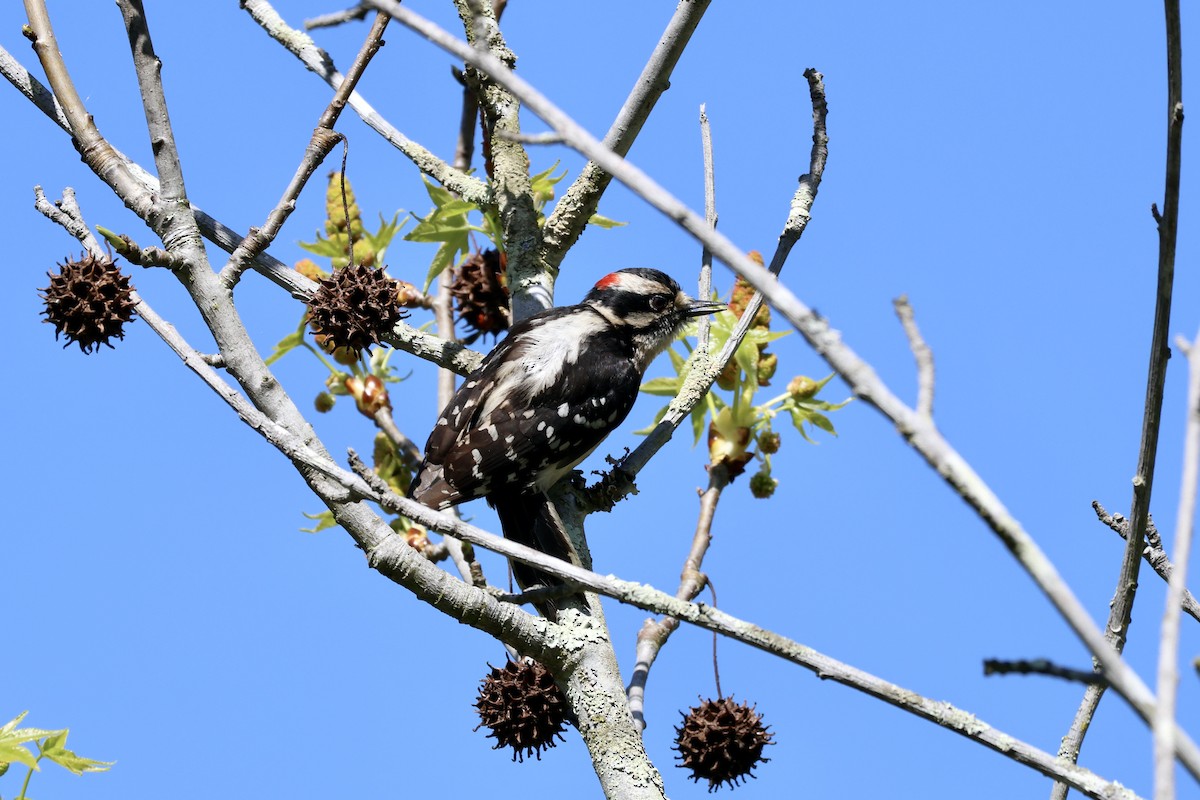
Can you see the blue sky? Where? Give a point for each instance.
(996, 163)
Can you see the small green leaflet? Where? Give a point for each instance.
(55, 749)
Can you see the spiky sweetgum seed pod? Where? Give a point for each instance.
(89, 301)
(481, 293)
(522, 707)
(721, 741)
(354, 307)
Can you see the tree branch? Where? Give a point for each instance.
(922, 354)
(1153, 552)
(531, 288)
(1120, 613)
(1168, 656)
(172, 193)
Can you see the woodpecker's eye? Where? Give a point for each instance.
(659, 302)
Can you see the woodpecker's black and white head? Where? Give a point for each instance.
(648, 306)
(552, 390)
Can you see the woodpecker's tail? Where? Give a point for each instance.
(528, 519)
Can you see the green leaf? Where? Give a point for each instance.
(604, 222)
(55, 749)
(439, 195)
(13, 753)
(664, 387)
(13, 738)
(325, 520)
(380, 240)
(334, 247)
(287, 344)
(677, 361)
(662, 412)
(822, 422)
(442, 259)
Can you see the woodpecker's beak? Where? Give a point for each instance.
(700, 308)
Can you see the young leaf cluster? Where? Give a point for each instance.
(51, 746)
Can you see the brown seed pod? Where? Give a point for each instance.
(89, 301)
(523, 708)
(721, 742)
(481, 295)
(354, 307)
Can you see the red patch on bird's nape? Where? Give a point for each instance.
(609, 281)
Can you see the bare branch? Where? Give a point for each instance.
(318, 61)
(1120, 613)
(922, 354)
(581, 199)
(172, 193)
(1039, 666)
(93, 148)
(323, 140)
(358, 12)
(1168, 655)
(1153, 552)
(922, 435)
(655, 632)
(704, 292)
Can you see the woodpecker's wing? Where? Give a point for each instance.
(538, 405)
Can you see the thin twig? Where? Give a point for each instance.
(1121, 608)
(335, 18)
(922, 435)
(922, 354)
(1168, 655)
(323, 140)
(1039, 666)
(1153, 552)
(318, 61)
(710, 217)
(546, 137)
(655, 632)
